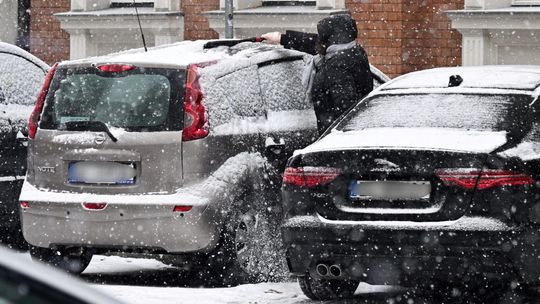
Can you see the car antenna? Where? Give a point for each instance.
(140, 27)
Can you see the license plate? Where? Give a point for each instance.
(112, 173)
(390, 190)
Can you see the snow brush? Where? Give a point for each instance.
(231, 42)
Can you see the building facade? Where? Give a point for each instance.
(15, 22)
(399, 35)
(499, 32)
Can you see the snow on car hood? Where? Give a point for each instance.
(410, 138)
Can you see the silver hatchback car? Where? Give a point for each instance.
(176, 151)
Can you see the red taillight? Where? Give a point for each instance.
(489, 178)
(195, 111)
(115, 68)
(310, 177)
(94, 206)
(25, 205)
(38, 108)
(182, 208)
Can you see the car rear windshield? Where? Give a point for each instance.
(462, 111)
(141, 99)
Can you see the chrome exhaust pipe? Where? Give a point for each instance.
(322, 270)
(335, 270)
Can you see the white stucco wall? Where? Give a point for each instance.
(8, 21)
(96, 28)
(502, 35)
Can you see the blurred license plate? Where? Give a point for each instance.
(390, 190)
(89, 172)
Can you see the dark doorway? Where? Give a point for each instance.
(23, 22)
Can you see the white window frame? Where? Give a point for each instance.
(131, 1)
(247, 4)
(526, 2)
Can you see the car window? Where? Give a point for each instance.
(20, 80)
(281, 86)
(233, 97)
(478, 112)
(136, 100)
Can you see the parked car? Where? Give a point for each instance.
(432, 178)
(21, 78)
(175, 151)
(42, 284)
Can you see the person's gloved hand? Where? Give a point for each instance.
(272, 37)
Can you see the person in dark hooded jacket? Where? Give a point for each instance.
(338, 76)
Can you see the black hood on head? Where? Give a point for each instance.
(337, 29)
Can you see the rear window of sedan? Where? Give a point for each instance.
(461, 111)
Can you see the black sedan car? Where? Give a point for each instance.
(21, 78)
(431, 179)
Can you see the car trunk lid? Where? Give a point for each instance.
(397, 174)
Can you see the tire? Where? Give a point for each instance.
(250, 248)
(74, 261)
(322, 290)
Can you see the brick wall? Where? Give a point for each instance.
(429, 40)
(401, 36)
(195, 25)
(380, 31)
(47, 40)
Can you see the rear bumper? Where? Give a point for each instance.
(128, 221)
(396, 252)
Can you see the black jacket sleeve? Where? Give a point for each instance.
(300, 41)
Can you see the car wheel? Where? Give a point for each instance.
(73, 261)
(250, 248)
(321, 290)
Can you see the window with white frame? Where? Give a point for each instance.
(246, 4)
(526, 2)
(131, 1)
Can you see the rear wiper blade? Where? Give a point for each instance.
(91, 125)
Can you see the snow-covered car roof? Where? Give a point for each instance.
(184, 53)
(14, 50)
(508, 77)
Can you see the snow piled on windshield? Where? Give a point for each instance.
(430, 110)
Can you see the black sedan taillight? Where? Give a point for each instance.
(489, 178)
(310, 177)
